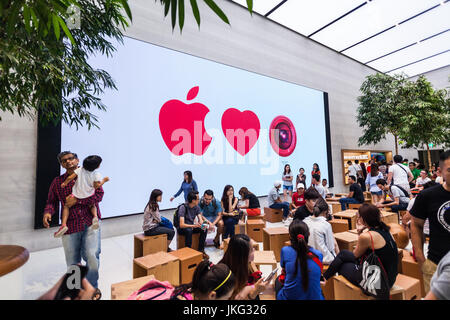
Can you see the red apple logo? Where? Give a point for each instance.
(241, 129)
(182, 126)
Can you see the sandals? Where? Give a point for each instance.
(97, 294)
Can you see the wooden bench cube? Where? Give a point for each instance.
(389, 217)
(339, 225)
(265, 258)
(346, 240)
(349, 215)
(273, 215)
(406, 288)
(163, 265)
(354, 205)
(255, 229)
(240, 228)
(188, 261)
(225, 243)
(334, 206)
(122, 290)
(274, 239)
(145, 245)
(181, 241)
(411, 268)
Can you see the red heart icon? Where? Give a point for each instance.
(241, 129)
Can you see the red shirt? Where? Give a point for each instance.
(298, 200)
(79, 214)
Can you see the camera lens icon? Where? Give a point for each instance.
(282, 135)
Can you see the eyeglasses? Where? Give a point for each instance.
(67, 159)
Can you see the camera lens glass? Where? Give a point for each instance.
(283, 137)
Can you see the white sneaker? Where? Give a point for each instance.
(288, 221)
(95, 224)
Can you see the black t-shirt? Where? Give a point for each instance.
(302, 212)
(253, 201)
(434, 203)
(357, 192)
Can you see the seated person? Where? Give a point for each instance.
(251, 206)
(212, 213)
(355, 195)
(311, 198)
(421, 180)
(373, 235)
(230, 213)
(187, 213)
(400, 196)
(325, 187)
(321, 235)
(274, 200)
(298, 198)
(240, 253)
(301, 267)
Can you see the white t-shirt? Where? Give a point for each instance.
(288, 183)
(421, 181)
(321, 237)
(84, 185)
(400, 174)
(352, 171)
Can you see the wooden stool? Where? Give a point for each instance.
(328, 288)
(226, 242)
(405, 288)
(164, 266)
(389, 217)
(122, 290)
(261, 216)
(273, 215)
(335, 207)
(349, 215)
(255, 229)
(399, 235)
(354, 205)
(346, 240)
(274, 239)
(345, 290)
(339, 225)
(240, 228)
(411, 268)
(145, 245)
(181, 242)
(265, 258)
(189, 260)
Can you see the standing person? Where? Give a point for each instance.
(311, 199)
(316, 185)
(301, 177)
(383, 169)
(298, 198)
(187, 185)
(440, 283)
(240, 253)
(315, 170)
(321, 235)
(355, 194)
(152, 218)
(251, 205)
(399, 174)
(80, 240)
(230, 213)
(360, 175)
(400, 196)
(301, 267)
(371, 182)
(274, 200)
(287, 181)
(187, 213)
(212, 213)
(325, 187)
(352, 169)
(432, 203)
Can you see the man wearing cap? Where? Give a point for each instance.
(298, 198)
(274, 200)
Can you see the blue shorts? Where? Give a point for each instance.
(378, 193)
(288, 187)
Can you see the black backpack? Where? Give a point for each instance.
(176, 217)
(405, 193)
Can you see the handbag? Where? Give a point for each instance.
(166, 223)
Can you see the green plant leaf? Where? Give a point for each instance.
(181, 14)
(195, 11)
(56, 26)
(66, 30)
(174, 13)
(166, 7)
(127, 8)
(27, 17)
(217, 10)
(250, 6)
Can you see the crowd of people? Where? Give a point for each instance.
(313, 246)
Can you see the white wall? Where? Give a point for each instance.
(252, 43)
(439, 78)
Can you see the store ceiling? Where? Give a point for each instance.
(392, 36)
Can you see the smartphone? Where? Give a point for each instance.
(64, 291)
(271, 275)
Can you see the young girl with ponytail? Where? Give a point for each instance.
(301, 267)
(373, 235)
(209, 282)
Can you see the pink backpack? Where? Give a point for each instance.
(153, 290)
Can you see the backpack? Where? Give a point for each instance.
(374, 277)
(153, 290)
(406, 194)
(176, 218)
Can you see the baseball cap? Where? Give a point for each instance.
(300, 185)
(277, 183)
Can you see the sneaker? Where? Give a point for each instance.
(288, 221)
(60, 232)
(95, 223)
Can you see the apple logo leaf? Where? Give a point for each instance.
(192, 93)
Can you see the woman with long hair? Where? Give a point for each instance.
(152, 218)
(301, 177)
(315, 170)
(371, 182)
(373, 235)
(250, 206)
(239, 255)
(230, 214)
(301, 267)
(209, 282)
(187, 185)
(287, 181)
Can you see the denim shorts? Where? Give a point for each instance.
(288, 187)
(377, 193)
